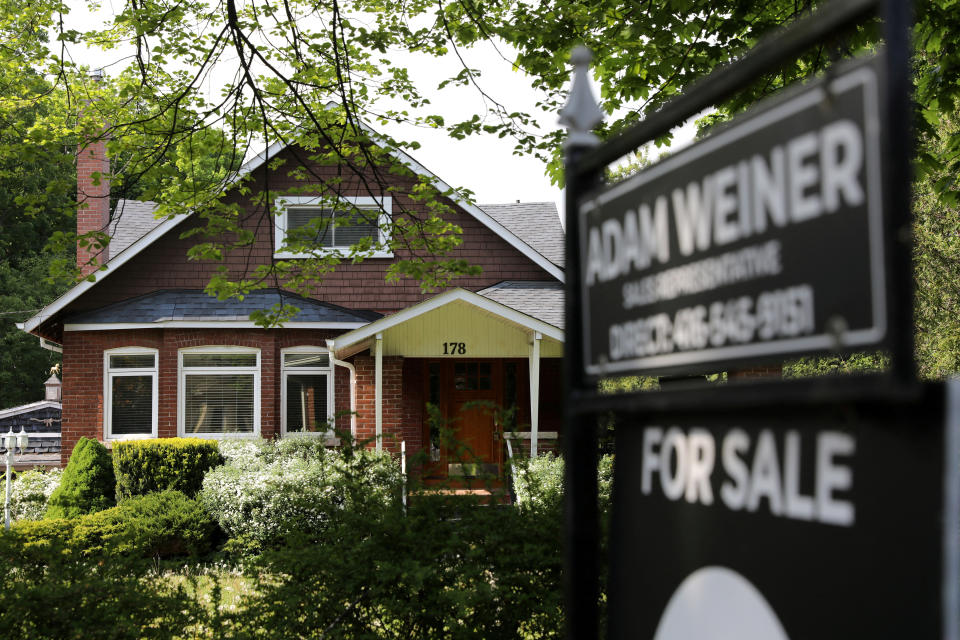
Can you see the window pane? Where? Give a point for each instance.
(132, 361)
(307, 403)
(509, 385)
(218, 403)
(301, 217)
(353, 226)
(434, 377)
(131, 405)
(306, 359)
(219, 359)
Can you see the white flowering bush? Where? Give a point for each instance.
(267, 490)
(30, 491)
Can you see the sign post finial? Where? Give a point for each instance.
(581, 113)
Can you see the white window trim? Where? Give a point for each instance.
(109, 374)
(385, 203)
(284, 370)
(182, 386)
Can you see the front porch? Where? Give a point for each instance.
(456, 377)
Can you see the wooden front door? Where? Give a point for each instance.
(468, 397)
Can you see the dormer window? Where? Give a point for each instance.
(307, 225)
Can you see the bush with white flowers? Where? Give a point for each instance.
(29, 493)
(267, 490)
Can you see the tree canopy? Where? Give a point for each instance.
(311, 72)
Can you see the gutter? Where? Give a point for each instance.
(353, 388)
(44, 343)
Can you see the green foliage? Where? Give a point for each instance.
(87, 485)
(30, 491)
(450, 568)
(50, 593)
(157, 525)
(37, 185)
(24, 365)
(146, 466)
(936, 251)
(538, 482)
(836, 365)
(267, 491)
(628, 384)
(167, 523)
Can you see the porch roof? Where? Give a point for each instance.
(485, 327)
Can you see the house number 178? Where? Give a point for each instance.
(454, 348)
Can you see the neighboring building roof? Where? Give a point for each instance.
(131, 220)
(536, 223)
(541, 300)
(40, 405)
(189, 307)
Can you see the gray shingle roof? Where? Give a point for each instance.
(195, 304)
(536, 223)
(131, 220)
(541, 300)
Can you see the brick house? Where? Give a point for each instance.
(146, 353)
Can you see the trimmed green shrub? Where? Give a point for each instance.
(157, 525)
(146, 466)
(30, 491)
(168, 523)
(87, 484)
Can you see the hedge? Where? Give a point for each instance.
(157, 525)
(147, 466)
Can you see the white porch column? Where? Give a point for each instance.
(378, 392)
(534, 391)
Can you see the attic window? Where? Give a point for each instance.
(331, 225)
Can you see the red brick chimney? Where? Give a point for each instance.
(93, 201)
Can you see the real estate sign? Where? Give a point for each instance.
(834, 521)
(764, 240)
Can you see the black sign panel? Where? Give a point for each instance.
(765, 239)
(827, 522)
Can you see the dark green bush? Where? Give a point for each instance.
(146, 466)
(450, 568)
(158, 525)
(87, 484)
(165, 524)
(51, 593)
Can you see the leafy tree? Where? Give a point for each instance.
(306, 72)
(24, 365)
